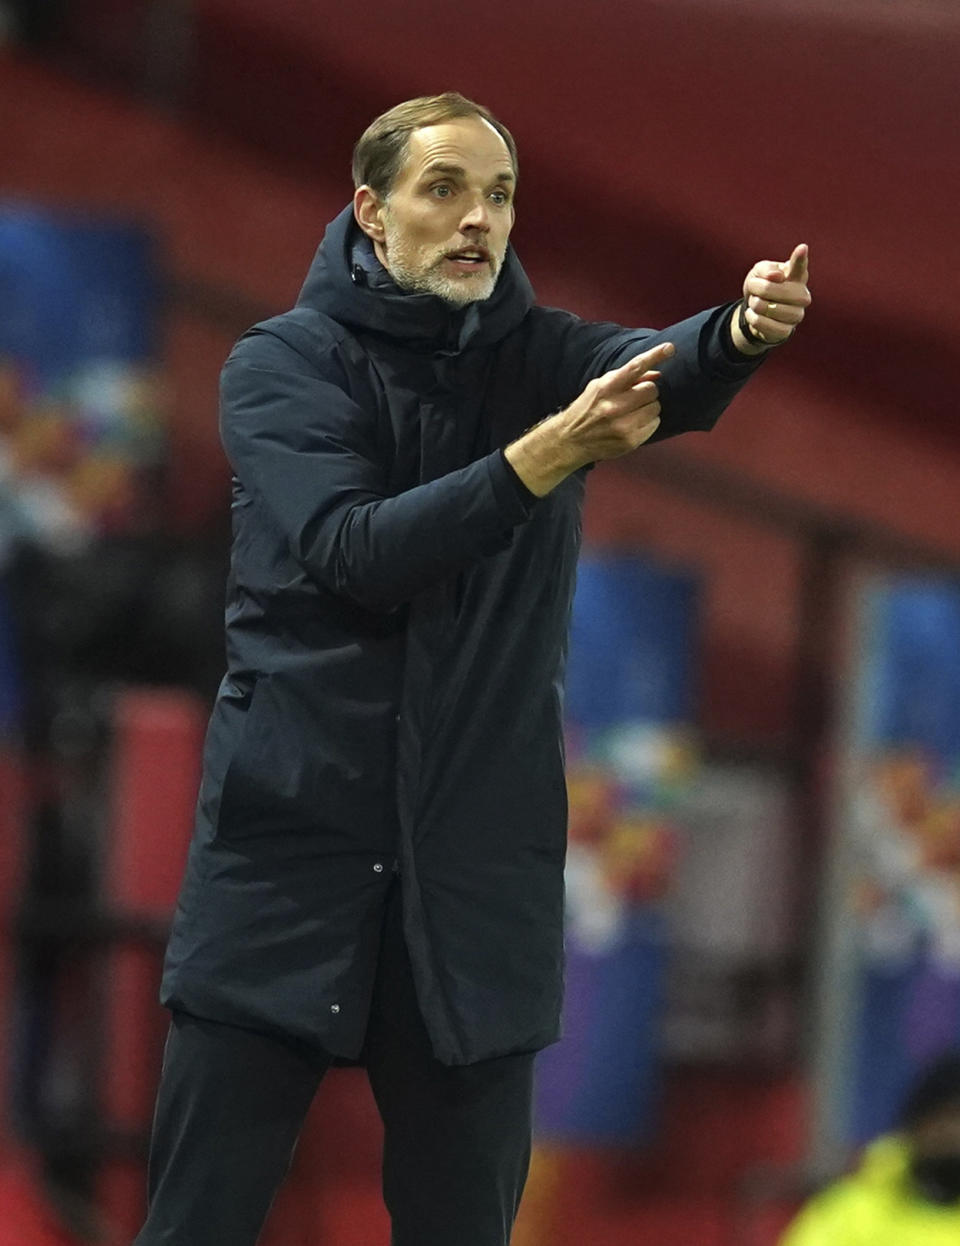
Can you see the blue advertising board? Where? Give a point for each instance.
(629, 701)
(81, 431)
(890, 990)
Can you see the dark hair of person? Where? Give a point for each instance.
(937, 1088)
(382, 147)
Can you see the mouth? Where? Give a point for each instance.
(469, 259)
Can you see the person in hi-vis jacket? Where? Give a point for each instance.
(906, 1190)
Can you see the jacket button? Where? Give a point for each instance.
(334, 1008)
(378, 868)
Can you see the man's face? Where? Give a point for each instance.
(444, 226)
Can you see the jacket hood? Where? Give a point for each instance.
(358, 297)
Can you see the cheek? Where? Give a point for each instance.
(427, 234)
(415, 226)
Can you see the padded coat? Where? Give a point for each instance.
(396, 631)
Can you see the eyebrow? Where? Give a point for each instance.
(456, 170)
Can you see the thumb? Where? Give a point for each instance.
(797, 266)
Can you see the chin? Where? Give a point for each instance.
(460, 293)
(456, 293)
(461, 298)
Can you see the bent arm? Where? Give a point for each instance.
(301, 446)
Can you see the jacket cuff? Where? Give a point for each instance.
(718, 352)
(526, 497)
(515, 500)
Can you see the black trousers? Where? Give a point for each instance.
(232, 1102)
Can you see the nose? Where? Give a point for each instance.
(477, 217)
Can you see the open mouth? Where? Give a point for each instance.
(469, 258)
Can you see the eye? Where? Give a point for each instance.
(500, 198)
(441, 190)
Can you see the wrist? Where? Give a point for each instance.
(746, 339)
(543, 457)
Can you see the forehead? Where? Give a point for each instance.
(469, 142)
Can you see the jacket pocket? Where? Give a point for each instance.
(264, 786)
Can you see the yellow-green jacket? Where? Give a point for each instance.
(875, 1206)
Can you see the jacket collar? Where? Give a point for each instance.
(347, 282)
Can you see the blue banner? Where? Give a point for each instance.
(82, 438)
(630, 694)
(75, 292)
(632, 638)
(903, 828)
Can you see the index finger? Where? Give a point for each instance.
(643, 363)
(797, 266)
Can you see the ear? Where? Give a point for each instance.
(368, 210)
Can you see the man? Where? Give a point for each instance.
(377, 868)
(906, 1192)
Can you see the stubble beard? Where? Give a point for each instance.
(411, 273)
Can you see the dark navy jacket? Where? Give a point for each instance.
(396, 629)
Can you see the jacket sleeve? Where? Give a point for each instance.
(308, 453)
(697, 384)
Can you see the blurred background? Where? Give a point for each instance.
(764, 696)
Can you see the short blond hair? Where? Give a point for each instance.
(382, 147)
